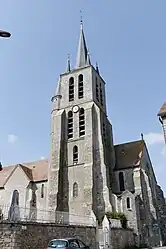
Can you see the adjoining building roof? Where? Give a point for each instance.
(128, 154)
(162, 111)
(36, 171)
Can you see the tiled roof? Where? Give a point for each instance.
(128, 154)
(39, 169)
(162, 110)
(5, 174)
(35, 171)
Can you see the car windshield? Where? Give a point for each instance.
(57, 244)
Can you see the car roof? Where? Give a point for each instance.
(66, 239)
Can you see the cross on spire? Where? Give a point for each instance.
(82, 52)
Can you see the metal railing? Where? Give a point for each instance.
(16, 214)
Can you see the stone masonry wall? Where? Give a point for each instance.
(36, 235)
(121, 238)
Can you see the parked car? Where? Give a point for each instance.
(72, 243)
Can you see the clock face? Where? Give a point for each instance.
(75, 108)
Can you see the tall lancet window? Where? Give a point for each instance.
(101, 94)
(97, 90)
(81, 122)
(75, 154)
(70, 124)
(42, 191)
(121, 181)
(71, 89)
(75, 190)
(128, 203)
(80, 87)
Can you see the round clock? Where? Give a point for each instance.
(75, 108)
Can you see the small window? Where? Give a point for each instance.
(81, 122)
(80, 87)
(128, 203)
(75, 154)
(42, 191)
(75, 190)
(71, 89)
(101, 94)
(121, 181)
(70, 124)
(97, 90)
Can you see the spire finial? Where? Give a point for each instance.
(81, 21)
(142, 136)
(68, 64)
(82, 48)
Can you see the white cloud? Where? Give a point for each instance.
(154, 138)
(12, 138)
(42, 157)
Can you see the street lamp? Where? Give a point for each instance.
(4, 34)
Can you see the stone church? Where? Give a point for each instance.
(86, 174)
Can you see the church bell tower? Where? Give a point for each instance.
(82, 152)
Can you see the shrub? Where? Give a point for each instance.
(118, 216)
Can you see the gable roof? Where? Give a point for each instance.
(35, 171)
(5, 173)
(39, 170)
(162, 110)
(128, 154)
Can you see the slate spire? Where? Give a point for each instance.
(82, 51)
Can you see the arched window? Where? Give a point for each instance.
(70, 124)
(80, 87)
(128, 202)
(75, 190)
(75, 154)
(121, 181)
(71, 89)
(81, 122)
(97, 90)
(101, 94)
(42, 191)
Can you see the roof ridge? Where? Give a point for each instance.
(136, 141)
